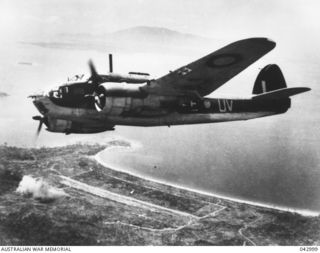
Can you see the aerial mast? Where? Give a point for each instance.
(110, 63)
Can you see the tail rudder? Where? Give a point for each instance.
(270, 84)
(269, 79)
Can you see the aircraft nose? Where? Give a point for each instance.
(39, 104)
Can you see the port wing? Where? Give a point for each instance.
(212, 71)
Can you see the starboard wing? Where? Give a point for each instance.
(212, 71)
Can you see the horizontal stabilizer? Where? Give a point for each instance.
(281, 93)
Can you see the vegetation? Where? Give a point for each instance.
(84, 218)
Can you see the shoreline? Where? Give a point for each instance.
(108, 207)
(98, 158)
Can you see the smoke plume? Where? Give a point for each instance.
(39, 189)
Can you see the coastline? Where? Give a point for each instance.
(99, 159)
(103, 206)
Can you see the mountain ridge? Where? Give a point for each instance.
(140, 30)
(133, 40)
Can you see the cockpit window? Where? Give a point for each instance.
(64, 90)
(55, 94)
(77, 94)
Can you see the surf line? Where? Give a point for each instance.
(100, 160)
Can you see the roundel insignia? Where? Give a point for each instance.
(207, 104)
(223, 60)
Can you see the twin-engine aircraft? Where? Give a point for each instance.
(100, 102)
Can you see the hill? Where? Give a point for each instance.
(134, 39)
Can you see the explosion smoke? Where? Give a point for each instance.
(39, 189)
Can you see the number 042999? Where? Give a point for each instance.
(310, 249)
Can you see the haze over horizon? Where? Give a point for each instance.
(293, 25)
(232, 19)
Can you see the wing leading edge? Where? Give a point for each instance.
(207, 74)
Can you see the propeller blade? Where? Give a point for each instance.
(92, 69)
(37, 117)
(95, 77)
(41, 121)
(39, 127)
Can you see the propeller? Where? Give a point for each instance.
(41, 121)
(96, 79)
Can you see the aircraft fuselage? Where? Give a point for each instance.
(152, 111)
(100, 102)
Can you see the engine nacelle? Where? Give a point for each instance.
(68, 127)
(121, 90)
(133, 77)
(115, 98)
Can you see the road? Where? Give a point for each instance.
(248, 225)
(120, 198)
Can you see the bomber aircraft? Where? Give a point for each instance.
(100, 102)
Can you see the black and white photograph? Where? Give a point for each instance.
(159, 123)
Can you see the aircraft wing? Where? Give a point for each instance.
(210, 72)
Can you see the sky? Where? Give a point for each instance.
(294, 19)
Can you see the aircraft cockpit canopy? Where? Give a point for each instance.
(76, 92)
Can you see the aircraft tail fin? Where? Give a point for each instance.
(269, 79)
(270, 84)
